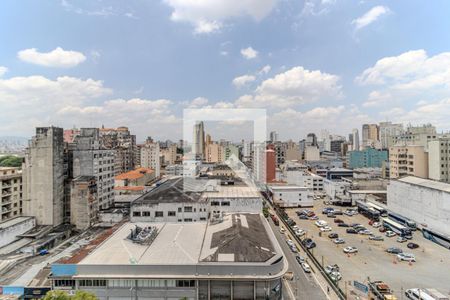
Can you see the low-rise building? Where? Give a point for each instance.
(233, 257)
(137, 177)
(291, 196)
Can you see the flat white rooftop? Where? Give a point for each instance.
(231, 191)
(12, 222)
(431, 184)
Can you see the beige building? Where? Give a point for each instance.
(417, 135)
(312, 153)
(150, 157)
(439, 159)
(83, 202)
(408, 161)
(293, 151)
(10, 193)
(169, 155)
(215, 153)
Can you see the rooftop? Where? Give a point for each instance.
(135, 174)
(12, 222)
(431, 184)
(238, 238)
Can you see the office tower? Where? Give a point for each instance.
(355, 140)
(215, 153)
(388, 133)
(408, 160)
(259, 162)
(439, 159)
(311, 140)
(43, 177)
(336, 145)
(90, 158)
(10, 193)
(370, 135)
(124, 143)
(273, 136)
(199, 141)
(208, 140)
(150, 157)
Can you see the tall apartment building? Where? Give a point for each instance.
(388, 133)
(259, 162)
(439, 159)
(270, 165)
(215, 153)
(311, 140)
(169, 154)
(124, 143)
(150, 157)
(44, 176)
(280, 153)
(408, 161)
(198, 147)
(292, 151)
(90, 158)
(355, 139)
(10, 193)
(369, 135)
(367, 158)
(417, 135)
(273, 137)
(312, 153)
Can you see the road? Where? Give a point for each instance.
(303, 286)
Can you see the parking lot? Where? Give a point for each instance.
(431, 269)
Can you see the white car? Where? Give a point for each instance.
(321, 223)
(290, 243)
(282, 230)
(300, 232)
(306, 267)
(365, 232)
(325, 228)
(339, 241)
(401, 239)
(295, 228)
(350, 249)
(406, 257)
(376, 225)
(390, 233)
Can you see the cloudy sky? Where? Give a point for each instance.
(313, 64)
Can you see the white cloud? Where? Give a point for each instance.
(196, 103)
(371, 16)
(293, 87)
(266, 69)
(249, 53)
(208, 16)
(3, 70)
(243, 80)
(316, 7)
(412, 75)
(55, 58)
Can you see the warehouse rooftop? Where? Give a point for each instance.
(426, 183)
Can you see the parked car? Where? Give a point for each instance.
(294, 249)
(333, 235)
(327, 210)
(401, 239)
(331, 215)
(300, 232)
(290, 243)
(314, 218)
(390, 233)
(337, 212)
(332, 268)
(406, 257)
(338, 221)
(412, 246)
(355, 225)
(282, 230)
(350, 249)
(351, 231)
(343, 225)
(309, 243)
(325, 228)
(306, 267)
(335, 276)
(376, 225)
(321, 223)
(394, 250)
(303, 217)
(376, 238)
(339, 241)
(382, 229)
(299, 259)
(365, 232)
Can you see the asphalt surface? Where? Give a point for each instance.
(303, 286)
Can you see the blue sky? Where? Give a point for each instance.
(314, 64)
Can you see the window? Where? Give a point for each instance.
(215, 203)
(188, 220)
(159, 214)
(136, 213)
(64, 282)
(89, 282)
(202, 219)
(185, 283)
(156, 283)
(120, 283)
(179, 209)
(188, 209)
(226, 203)
(146, 214)
(171, 214)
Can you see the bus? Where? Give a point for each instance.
(424, 294)
(438, 238)
(383, 211)
(402, 220)
(396, 227)
(368, 211)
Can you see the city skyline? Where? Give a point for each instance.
(271, 54)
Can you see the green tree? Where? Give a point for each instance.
(61, 295)
(10, 161)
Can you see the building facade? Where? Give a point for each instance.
(291, 196)
(83, 202)
(367, 158)
(44, 177)
(10, 193)
(439, 159)
(150, 157)
(408, 161)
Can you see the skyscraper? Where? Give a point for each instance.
(199, 141)
(273, 136)
(355, 141)
(43, 177)
(370, 134)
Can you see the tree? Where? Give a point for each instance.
(61, 295)
(10, 161)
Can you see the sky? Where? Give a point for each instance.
(312, 64)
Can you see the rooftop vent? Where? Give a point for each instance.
(143, 235)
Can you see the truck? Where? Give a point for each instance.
(379, 290)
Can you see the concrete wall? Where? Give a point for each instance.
(423, 205)
(8, 234)
(292, 197)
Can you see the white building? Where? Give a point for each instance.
(388, 133)
(312, 153)
(425, 201)
(150, 157)
(355, 142)
(291, 196)
(439, 159)
(303, 178)
(335, 188)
